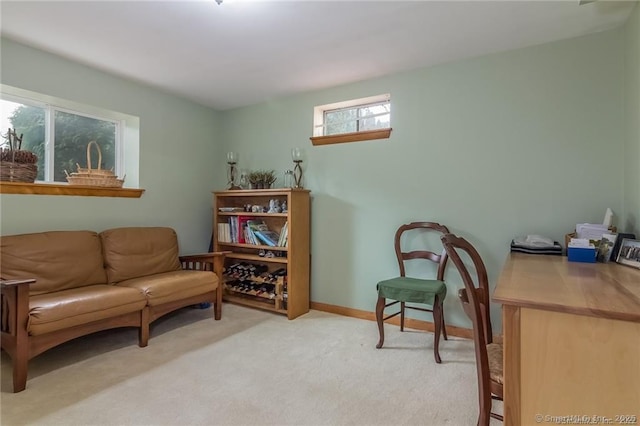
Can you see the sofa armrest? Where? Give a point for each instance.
(12, 283)
(213, 261)
(15, 306)
(15, 319)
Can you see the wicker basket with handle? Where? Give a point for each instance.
(94, 177)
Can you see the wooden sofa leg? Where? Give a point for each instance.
(218, 267)
(15, 337)
(20, 366)
(218, 303)
(20, 358)
(143, 337)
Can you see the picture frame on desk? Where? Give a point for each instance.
(629, 253)
(605, 247)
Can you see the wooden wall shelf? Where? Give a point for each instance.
(64, 189)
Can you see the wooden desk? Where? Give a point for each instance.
(571, 340)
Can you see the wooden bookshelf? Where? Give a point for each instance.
(292, 297)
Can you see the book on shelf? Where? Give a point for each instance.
(282, 241)
(224, 233)
(269, 238)
(237, 228)
(242, 226)
(233, 229)
(254, 225)
(251, 225)
(230, 209)
(261, 233)
(249, 238)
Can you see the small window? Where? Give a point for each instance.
(59, 131)
(354, 120)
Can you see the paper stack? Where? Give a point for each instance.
(591, 231)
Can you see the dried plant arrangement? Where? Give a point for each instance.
(16, 165)
(260, 179)
(269, 178)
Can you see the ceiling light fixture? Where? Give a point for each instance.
(219, 1)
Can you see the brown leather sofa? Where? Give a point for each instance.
(86, 282)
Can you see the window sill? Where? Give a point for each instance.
(351, 137)
(62, 189)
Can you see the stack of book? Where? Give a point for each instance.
(247, 230)
(284, 235)
(224, 233)
(263, 235)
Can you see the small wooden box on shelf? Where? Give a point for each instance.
(271, 277)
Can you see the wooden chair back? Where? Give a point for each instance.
(439, 258)
(475, 302)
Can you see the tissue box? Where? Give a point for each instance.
(581, 254)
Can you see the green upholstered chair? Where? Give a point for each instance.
(428, 292)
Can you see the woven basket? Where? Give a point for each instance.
(11, 171)
(94, 177)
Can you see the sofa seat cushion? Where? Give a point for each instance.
(172, 286)
(58, 260)
(139, 251)
(67, 308)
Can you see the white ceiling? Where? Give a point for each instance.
(244, 52)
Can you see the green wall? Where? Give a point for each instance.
(522, 142)
(632, 146)
(178, 152)
(528, 141)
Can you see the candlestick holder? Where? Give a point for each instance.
(296, 156)
(232, 160)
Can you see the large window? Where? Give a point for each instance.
(59, 136)
(354, 120)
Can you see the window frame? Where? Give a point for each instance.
(50, 110)
(50, 153)
(127, 146)
(319, 112)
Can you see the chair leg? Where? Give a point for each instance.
(437, 321)
(401, 316)
(380, 320)
(444, 326)
(485, 417)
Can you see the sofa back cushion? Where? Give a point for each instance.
(58, 260)
(139, 251)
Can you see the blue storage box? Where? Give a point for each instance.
(581, 254)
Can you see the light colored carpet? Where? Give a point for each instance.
(250, 368)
